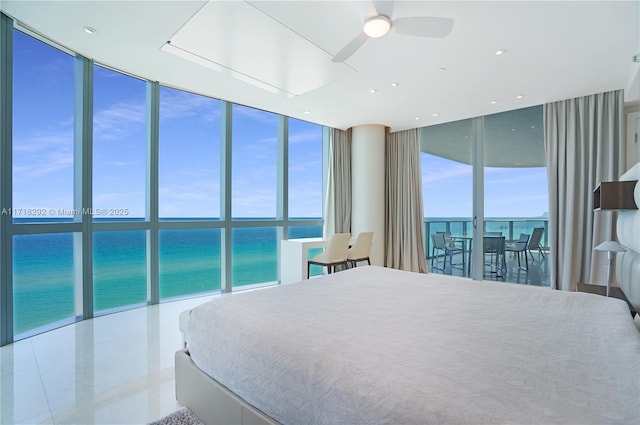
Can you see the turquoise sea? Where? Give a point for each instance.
(44, 272)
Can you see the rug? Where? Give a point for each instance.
(183, 416)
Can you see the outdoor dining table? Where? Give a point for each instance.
(467, 243)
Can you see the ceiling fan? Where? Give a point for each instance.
(379, 25)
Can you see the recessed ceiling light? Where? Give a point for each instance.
(500, 52)
(307, 112)
(520, 96)
(513, 129)
(533, 126)
(493, 102)
(417, 118)
(372, 91)
(89, 30)
(394, 84)
(435, 114)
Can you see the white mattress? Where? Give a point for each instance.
(374, 345)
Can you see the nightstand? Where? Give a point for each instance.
(614, 292)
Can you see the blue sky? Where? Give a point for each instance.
(447, 188)
(189, 164)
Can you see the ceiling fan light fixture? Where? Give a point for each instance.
(377, 26)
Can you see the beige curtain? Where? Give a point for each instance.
(583, 146)
(337, 212)
(404, 219)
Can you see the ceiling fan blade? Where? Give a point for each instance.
(350, 48)
(384, 7)
(424, 26)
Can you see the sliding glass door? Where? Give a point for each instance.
(485, 188)
(516, 196)
(447, 185)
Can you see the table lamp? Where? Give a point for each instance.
(610, 247)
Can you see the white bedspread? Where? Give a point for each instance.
(374, 345)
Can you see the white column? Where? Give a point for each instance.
(367, 188)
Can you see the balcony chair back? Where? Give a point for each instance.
(535, 241)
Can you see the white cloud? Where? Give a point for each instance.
(437, 174)
(255, 114)
(114, 122)
(122, 163)
(176, 104)
(310, 135)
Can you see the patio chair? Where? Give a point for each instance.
(534, 242)
(519, 246)
(448, 246)
(494, 245)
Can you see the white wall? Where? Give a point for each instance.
(367, 180)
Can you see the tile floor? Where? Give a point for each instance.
(114, 369)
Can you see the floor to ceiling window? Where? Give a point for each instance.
(137, 245)
(119, 182)
(516, 199)
(305, 183)
(189, 193)
(254, 194)
(44, 279)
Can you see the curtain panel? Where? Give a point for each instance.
(337, 211)
(404, 217)
(583, 146)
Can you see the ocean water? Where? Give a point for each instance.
(44, 271)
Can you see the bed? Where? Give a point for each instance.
(375, 345)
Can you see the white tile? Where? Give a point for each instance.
(117, 368)
(22, 395)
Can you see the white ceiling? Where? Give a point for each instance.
(276, 55)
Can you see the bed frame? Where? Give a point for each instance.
(211, 401)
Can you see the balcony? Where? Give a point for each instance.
(538, 272)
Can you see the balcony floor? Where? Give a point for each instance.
(539, 273)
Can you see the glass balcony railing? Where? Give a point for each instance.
(511, 228)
